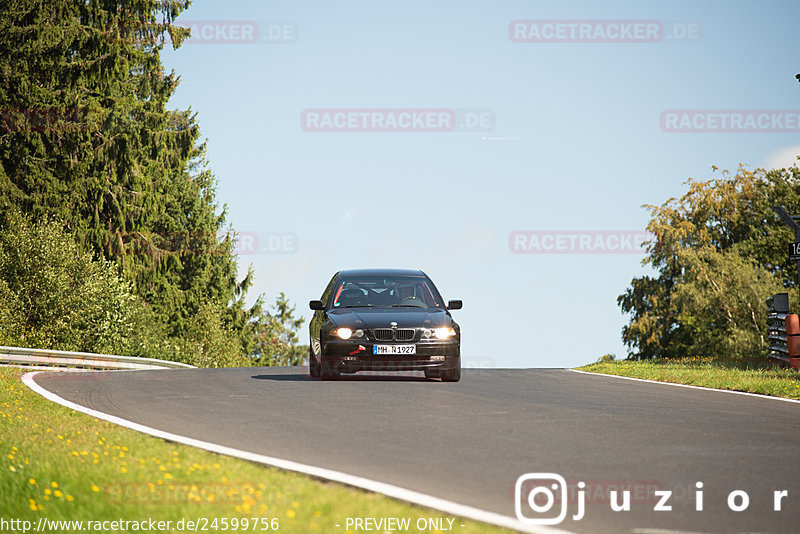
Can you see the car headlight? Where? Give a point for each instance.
(442, 333)
(344, 333)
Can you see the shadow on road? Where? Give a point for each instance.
(285, 378)
(345, 378)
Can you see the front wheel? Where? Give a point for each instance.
(313, 364)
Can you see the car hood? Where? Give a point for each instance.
(382, 317)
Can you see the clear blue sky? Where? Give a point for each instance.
(573, 144)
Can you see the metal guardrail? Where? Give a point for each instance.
(61, 359)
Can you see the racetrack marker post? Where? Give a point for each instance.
(794, 247)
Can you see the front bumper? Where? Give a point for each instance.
(350, 356)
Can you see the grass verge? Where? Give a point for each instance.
(63, 465)
(707, 373)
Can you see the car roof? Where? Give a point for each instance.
(381, 272)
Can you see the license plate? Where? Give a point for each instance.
(394, 349)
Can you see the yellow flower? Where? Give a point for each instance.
(290, 513)
(95, 488)
(58, 493)
(12, 468)
(32, 481)
(54, 484)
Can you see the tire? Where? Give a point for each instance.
(313, 364)
(453, 375)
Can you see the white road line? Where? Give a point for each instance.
(389, 490)
(757, 395)
(662, 531)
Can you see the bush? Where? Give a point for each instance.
(53, 295)
(209, 342)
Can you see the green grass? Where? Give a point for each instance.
(64, 465)
(764, 379)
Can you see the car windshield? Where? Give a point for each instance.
(385, 291)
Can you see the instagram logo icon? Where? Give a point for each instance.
(541, 499)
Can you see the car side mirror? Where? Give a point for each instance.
(454, 304)
(316, 305)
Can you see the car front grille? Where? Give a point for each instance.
(404, 334)
(393, 334)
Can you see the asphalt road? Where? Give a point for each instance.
(469, 441)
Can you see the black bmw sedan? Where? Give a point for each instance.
(384, 320)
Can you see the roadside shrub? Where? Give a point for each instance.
(53, 295)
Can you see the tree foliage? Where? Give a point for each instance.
(720, 251)
(87, 139)
(87, 143)
(52, 295)
(276, 335)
